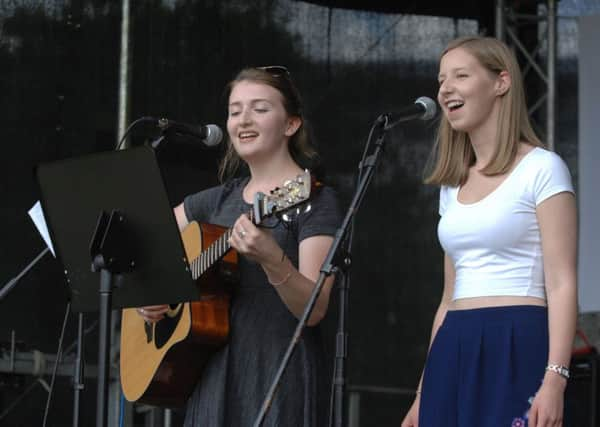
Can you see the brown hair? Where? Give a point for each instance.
(300, 146)
(453, 153)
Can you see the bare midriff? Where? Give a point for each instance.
(494, 301)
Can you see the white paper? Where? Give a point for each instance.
(37, 216)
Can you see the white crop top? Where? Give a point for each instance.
(495, 243)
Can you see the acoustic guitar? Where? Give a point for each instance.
(160, 363)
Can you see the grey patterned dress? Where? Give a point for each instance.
(236, 379)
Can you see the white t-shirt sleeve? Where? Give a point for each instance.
(552, 177)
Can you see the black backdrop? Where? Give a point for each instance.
(59, 81)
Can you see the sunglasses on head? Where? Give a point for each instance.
(275, 70)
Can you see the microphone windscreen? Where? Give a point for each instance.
(430, 107)
(214, 135)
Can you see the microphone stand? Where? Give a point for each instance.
(78, 372)
(13, 282)
(329, 266)
(341, 342)
(78, 384)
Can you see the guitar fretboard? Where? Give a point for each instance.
(210, 255)
(279, 200)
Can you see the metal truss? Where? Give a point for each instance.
(507, 21)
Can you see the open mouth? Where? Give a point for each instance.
(454, 105)
(246, 136)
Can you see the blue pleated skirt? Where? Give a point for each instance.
(484, 367)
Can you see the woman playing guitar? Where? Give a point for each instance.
(278, 265)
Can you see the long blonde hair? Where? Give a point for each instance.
(453, 153)
(299, 145)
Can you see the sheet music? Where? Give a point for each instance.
(37, 216)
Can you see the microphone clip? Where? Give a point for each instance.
(163, 124)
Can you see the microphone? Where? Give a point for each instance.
(424, 108)
(210, 135)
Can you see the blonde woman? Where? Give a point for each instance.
(502, 335)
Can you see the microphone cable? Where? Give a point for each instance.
(56, 362)
(130, 128)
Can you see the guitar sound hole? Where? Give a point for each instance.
(164, 329)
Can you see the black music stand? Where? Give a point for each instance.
(109, 212)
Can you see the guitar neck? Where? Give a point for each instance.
(214, 252)
(279, 200)
(211, 254)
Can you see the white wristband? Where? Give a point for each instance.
(563, 371)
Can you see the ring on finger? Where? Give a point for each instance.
(242, 233)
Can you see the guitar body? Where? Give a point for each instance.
(162, 362)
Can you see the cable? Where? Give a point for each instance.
(18, 399)
(331, 392)
(56, 362)
(131, 126)
(367, 145)
(71, 346)
(347, 244)
(121, 409)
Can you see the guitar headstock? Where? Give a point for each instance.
(285, 201)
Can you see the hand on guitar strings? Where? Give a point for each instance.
(153, 313)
